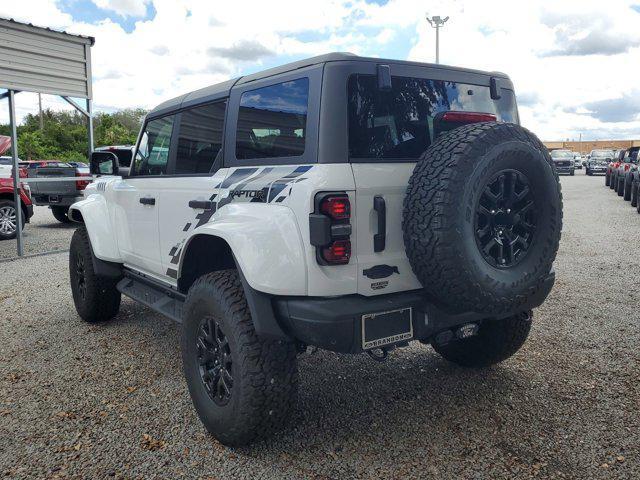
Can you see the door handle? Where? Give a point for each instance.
(148, 201)
(203, 204)
(380, 238)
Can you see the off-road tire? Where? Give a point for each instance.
(264, 372)
(60, 214)
(8, 206)
(95, 297)
(496, 341)
(439, 214)
(634, 193)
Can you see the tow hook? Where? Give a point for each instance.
(378, 354)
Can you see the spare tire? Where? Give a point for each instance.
(482, 218)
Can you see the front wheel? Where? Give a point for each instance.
(95, 297)
(8, 220)
(495, 341)
(243, 387)
(61, 214)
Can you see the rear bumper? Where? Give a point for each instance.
(335, 323)
(64, 201)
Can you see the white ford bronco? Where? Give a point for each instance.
(346, 203)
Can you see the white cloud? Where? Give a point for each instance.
(124, 8)
(562, 56)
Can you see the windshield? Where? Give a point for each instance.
(398, 124)
(602, 154)
(561, 154)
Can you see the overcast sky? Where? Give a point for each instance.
(575, 64)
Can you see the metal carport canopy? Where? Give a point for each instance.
(41, 60)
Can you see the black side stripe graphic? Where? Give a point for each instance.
(237, 176)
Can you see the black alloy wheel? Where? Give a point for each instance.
(505, 219)
(80, 276)
(214, 361)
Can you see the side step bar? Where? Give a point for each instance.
(153, 294)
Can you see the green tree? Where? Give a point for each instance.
(64, 133)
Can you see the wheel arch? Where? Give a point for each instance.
(93, 212)
(206, 253)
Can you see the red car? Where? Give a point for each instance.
(8, 207)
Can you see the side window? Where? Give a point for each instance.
(153, 151)
(272, 121)
(200, 139)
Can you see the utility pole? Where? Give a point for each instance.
(580, 143)
(437, 22)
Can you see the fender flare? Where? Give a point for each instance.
(266, 243)
(94, 213)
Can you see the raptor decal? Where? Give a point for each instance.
(252, 185)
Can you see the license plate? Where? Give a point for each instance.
(384, 328)
(54, 198)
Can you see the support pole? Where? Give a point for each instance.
(90, 126)
(437, 44)
(16, 172)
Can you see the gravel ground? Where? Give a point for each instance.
(42, 234)
(79, 400)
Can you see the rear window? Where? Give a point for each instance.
(398, 124)
(272, 121)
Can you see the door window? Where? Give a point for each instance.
(200, 139)
(272, 121)
(153, 152)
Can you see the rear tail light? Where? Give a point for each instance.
(337, 253)
(468, 117)
(336, 207)
(330, 229)
(82, 184)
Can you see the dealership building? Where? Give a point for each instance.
(586, 146)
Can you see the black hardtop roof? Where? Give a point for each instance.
(220, 90)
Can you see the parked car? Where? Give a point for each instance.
(8, 213)
(563, 160)
(627, 172)
(58, 194)
(577, 161)
(291, 208)
(600, 161)
(612, 168)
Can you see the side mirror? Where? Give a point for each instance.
(104, 163)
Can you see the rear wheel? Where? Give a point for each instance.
(607, 179)
(482, 217)
(95, 297)
(572, 173)
(495, 341)
(243, 387)
(613, 182)
(620, 186)
(60, 214)
(626, 195)
(8, 220)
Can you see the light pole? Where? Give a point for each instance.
(437, 22)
